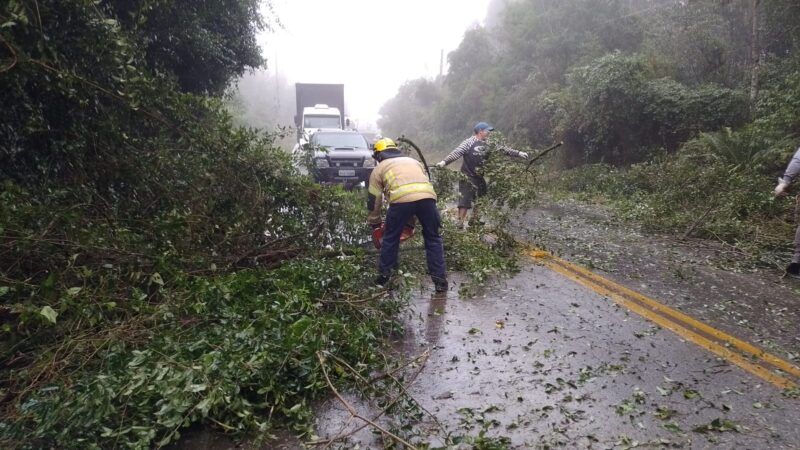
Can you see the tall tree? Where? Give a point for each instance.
(79, 73)
(755, 49)
(202, 43)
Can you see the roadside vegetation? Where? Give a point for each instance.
(682, 114)
(161, 267)
(716, 185)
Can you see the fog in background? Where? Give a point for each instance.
(370, 46)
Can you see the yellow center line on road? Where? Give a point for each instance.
(745, 355)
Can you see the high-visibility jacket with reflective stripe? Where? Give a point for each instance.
(401, 179)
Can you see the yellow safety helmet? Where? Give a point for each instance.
(384, 144)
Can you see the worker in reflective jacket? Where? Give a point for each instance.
(404, 183)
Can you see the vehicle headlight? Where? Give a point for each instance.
(321, 163)
(369, 162)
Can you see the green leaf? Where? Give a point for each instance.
(49, 282)
(49, 314)
(156, 279)
(689, 394)
(4, 290)
(139, 358)
(204, 406)
(718, 425)
(301, 325)
(664, 413)
(73, 291)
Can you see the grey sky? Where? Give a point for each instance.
(372, 46)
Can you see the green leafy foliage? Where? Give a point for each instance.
(180, 36)
(602, 97)
(236, 347)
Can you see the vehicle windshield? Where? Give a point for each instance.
(322, 122)
(334, 140)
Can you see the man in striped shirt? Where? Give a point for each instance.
(789, 175)
(474, 152)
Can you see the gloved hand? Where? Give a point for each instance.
(780, 189)
(440, 164)
(523, 155)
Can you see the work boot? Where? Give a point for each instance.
(382, 280)
(793, 270)
(440, 284)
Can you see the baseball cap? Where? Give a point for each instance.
(480, 126)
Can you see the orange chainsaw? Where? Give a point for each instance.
(377, 233)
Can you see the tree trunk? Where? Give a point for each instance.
(755, 52)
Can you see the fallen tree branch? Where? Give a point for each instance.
(14, 57)
(359, 301)
(389, 405)
(694, 224)
(355, 413)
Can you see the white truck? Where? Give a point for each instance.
(319, 107)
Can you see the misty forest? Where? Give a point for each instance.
(166, 268)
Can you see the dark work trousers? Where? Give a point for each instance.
(396, 218)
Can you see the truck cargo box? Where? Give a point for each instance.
(311, 94)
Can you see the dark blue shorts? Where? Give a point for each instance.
(471, 189)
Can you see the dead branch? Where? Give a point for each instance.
(698, 221)
(392, 402)
(38, 17)
(391, 373)
(14, 58)
(359, 301)
(404, 392)
(355, 413)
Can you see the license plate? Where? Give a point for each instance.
(347, 173)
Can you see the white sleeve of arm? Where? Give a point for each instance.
(793, 169)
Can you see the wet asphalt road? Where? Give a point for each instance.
(544, 361)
